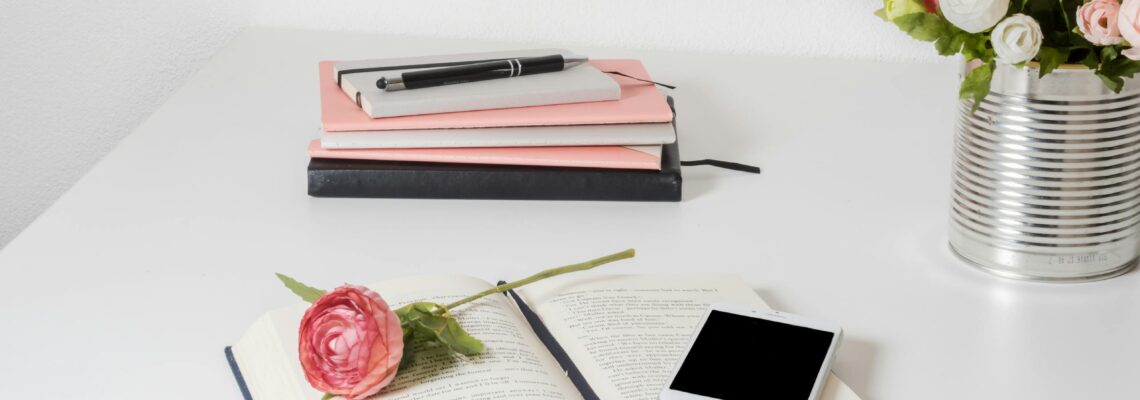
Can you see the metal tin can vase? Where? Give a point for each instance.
(1046, 182)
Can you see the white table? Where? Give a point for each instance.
(130, 285)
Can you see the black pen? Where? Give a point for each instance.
(507, 68)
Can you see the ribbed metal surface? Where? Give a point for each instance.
(1046, 179)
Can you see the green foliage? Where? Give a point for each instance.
(924, 26)
(307, 293)
(1062, 42)
(1114, 68)
(949, 40)
(951, 45)
(1108, 54)
(409, 343)
(975, 47)
(1052, 15)
(1091, 60)
(1051, 58)
(433, 324)
(976, 84)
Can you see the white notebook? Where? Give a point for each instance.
(527, 136)
(357, 79)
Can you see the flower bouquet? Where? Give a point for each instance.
(1098, 34)
(1045, 148)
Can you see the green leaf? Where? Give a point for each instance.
(327, 396)
(432, 323)
(1120, 66)
(974, 47)
(1091, 60)
(923, 26)
(446, 330)
(881, 13)
(952, 44)
(1055, 18)
(1113, 68)
(976, 85)
(1113, 82)
(1107, 54)
(307, 293)
(408, 315)
(409, 346)
(1051, 58)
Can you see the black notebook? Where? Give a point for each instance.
(391, 179)
(581, 336)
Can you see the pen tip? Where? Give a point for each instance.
(382, 83)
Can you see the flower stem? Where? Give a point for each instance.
(629, 253)
(1065, 14)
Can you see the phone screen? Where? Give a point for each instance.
(740, 357)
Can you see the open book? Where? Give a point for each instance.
(617, 337)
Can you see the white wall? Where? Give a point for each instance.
(76, 76)
(827, 28)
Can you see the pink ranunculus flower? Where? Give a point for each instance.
(1128, 21)
(1097, 20)
(350, 343)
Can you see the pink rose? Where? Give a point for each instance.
(974, 64)
(350, 343)
(931, 6)
(1097, 20)
(1128, 22)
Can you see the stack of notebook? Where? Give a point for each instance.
(592, 132)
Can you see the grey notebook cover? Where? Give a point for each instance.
(525, 136)
(357, 79)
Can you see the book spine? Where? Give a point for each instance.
(237, 373)
(493, 183)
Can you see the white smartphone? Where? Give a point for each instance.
(742, 353)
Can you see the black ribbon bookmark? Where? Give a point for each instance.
(723, 164)
(639, 79)
(551, 344)
(715, 163)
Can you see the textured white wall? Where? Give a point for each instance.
(76, 76)
(824, 28)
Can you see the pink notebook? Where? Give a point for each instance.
(619, 157)
(640, 103)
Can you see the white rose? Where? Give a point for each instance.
(1016, 39)
(974, 15)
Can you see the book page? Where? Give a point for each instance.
(514, 363)
(626, 333)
